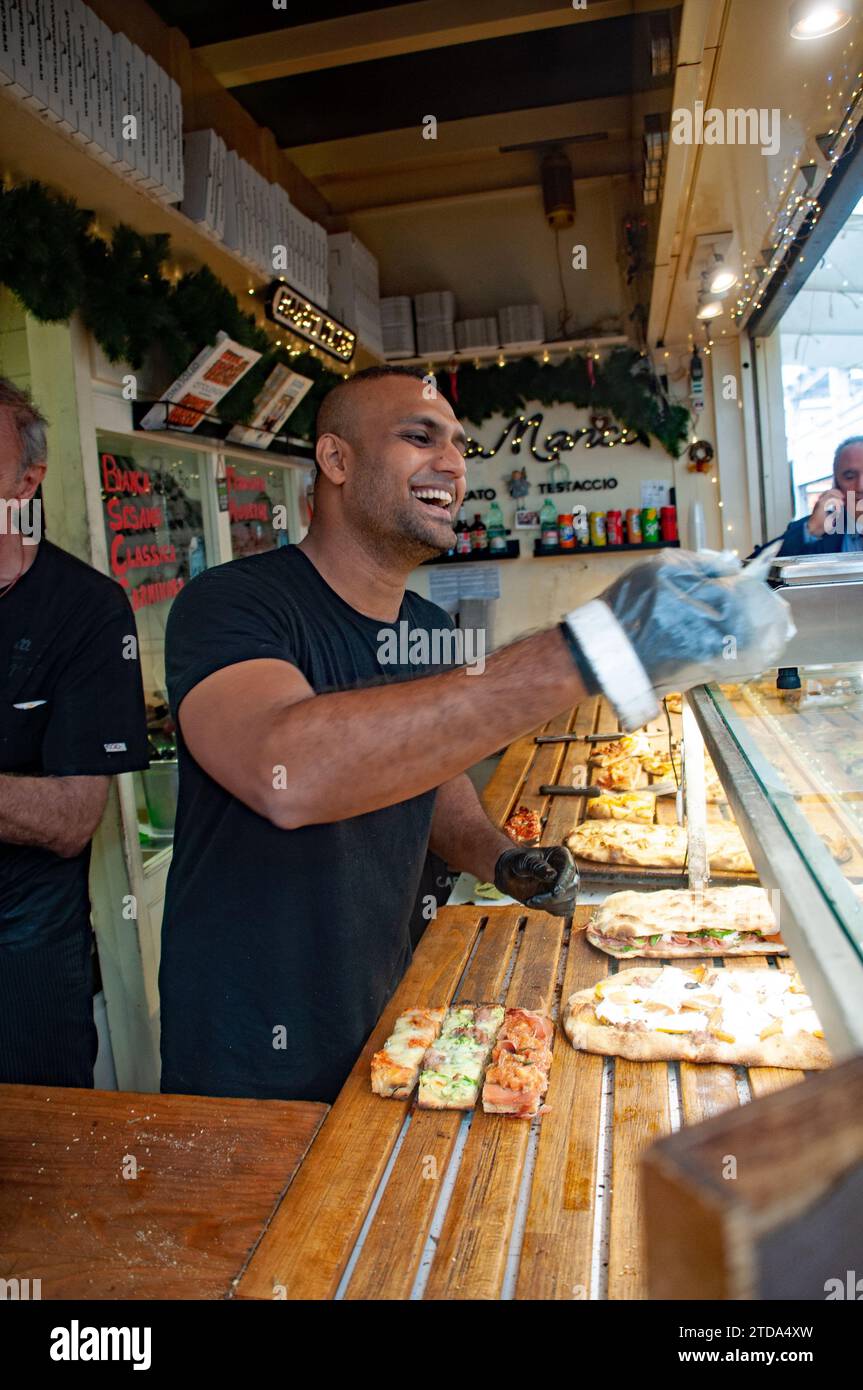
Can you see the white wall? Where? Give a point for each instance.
(538, 591)
(497, 248)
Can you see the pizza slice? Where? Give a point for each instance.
(661, 766)
(396, 1068)
(635, 745)
(657, 846)
(726, 850)
(629, 806)
(624, 842)
(452, 1069)
(757, 1018)
(675, 922)
(524, 826)
(626, 775)
(517, 1079)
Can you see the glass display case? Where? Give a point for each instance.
(791, 762)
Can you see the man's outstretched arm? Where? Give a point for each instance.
(299, 758)
(461, 832)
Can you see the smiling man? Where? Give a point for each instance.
(315, 775)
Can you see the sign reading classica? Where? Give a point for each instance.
(141, 556)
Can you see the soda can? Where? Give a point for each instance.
(633, 526)
(668, 523)
(614, 528)
(581, 527)
(650, 526)
(597, 529)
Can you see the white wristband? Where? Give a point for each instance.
(615, 664)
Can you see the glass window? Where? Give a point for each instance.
(153, 512)
(821, 337)
(259, 502)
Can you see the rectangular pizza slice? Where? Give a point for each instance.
(629, 806)
(396, 1068)
(757, 1018)
(675, 922)
(517, 1079)
(453, 1068)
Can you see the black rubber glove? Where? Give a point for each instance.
(545, 879)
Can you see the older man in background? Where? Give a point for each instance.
(71, 715)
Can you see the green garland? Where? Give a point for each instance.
(51, 258)
(623, 385)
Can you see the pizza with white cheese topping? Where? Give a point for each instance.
(396, 1068)
(657, 846)
(757, 1018)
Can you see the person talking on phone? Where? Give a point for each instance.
(836, 523)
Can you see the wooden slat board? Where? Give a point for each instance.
(398, 1203)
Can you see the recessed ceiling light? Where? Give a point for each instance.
(722, 279)
(813, 19)
(711, 309)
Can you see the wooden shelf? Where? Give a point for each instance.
(488, 354)
(32, 146)
(513, 550)
(540, 554)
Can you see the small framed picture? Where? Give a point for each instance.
(524, 520)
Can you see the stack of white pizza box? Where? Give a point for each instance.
(521, 323)
(58, 57)
(435, 318)
(355, 289)
(255, 218)
(471, 334)
(397, 327)
(309, 252)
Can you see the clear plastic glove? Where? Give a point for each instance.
(677, 621)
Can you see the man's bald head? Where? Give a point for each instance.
(338, 410)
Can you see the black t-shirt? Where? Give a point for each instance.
(71, 704)
(280, 948)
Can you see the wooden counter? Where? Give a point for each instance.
(397, 1203)
(209, 1176)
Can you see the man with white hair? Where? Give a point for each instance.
(71, 715)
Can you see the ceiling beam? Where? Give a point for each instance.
(411, 28)
(544, 125)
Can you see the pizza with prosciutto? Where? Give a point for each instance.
(675, 922)
(517, 1079)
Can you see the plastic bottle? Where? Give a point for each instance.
(496, 530)
(548, 537)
